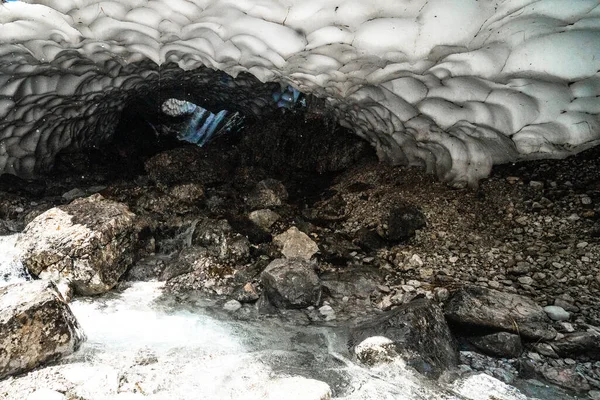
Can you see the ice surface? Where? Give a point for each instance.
(454, 85)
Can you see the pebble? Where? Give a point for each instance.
(586, 200)
(232, 305)
(525, 280)
(557, 313)
(536, 184)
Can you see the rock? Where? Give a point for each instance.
(420, 335)
(557, 313)
(578, 344)
(401, 223)
(500, 344)
(296, 244)
(327, 312)
(478, 307)
(485, 387)
(267, 193)
(291, 283)
(188, 192)
(536, 184)
(46, 394)
(246, 293)
(369, 240)
(36, 326)
(232, 305)
(375, 350)
(545, 349)
(594, 394)
(566, 305)
(264, 218)
(297, 388)
(337, 249)
(211, 233)
(90, 242)
(73, 194)
(566, 377)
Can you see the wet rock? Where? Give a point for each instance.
(296, 244)
(73, 194)
(232, 305)
(184, 263)
(577, 344)
(267, 193)
(211, 233)
(246, 293)
(566, 377)
(420, 334)
(401, 223)
(375, 350)
(291, 283)
(478, 307)
(557, 313)
(327, 312)
(89, 242)
(500, 344)
(36, 326)
(482, 386)
(297, 388)
(264, 218)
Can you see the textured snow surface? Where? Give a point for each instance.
(454, 85)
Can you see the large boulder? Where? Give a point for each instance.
(475, 307)
(36, 326)
(89, 243)
(418, 332)
(291, 283)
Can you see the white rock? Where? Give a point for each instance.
(296, 244)
(232, 305)
(557, 313)
(484, 387)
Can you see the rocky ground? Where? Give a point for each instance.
(369, 237)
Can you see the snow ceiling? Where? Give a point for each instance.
(453, 85)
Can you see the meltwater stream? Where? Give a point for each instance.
(143, 344)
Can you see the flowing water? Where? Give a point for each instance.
(144, 344)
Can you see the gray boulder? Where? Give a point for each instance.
(291, 283)
(36, 326)
(89, 243)
(419, 333)
(474, 307)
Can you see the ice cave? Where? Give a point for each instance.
(300, 199)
